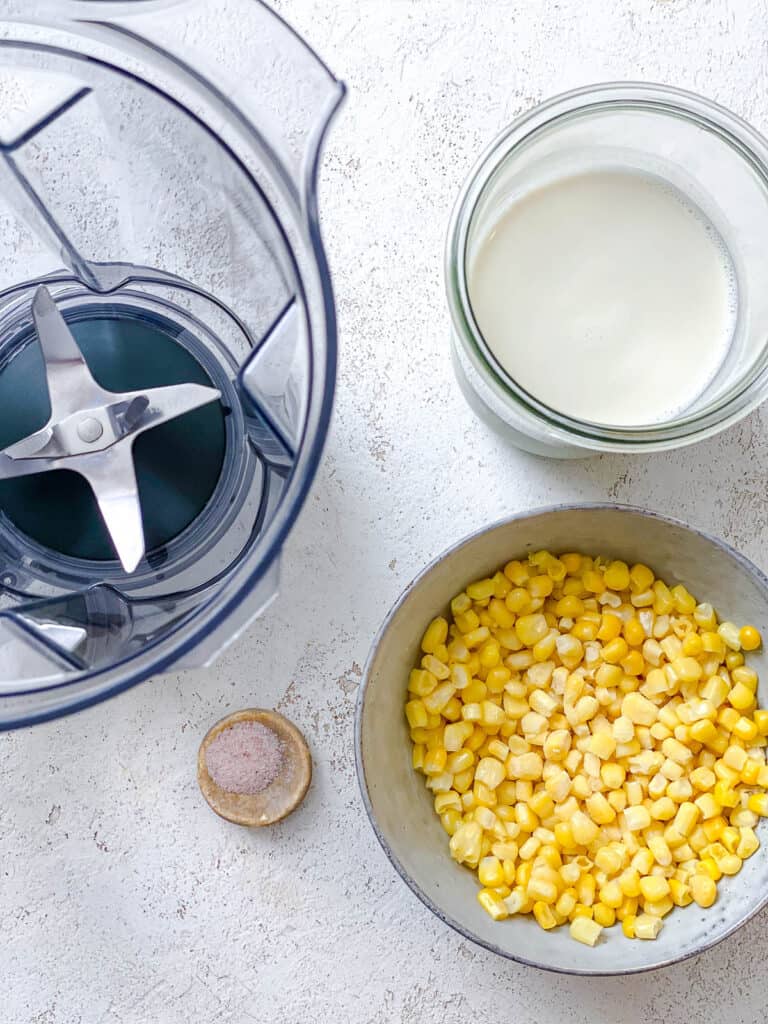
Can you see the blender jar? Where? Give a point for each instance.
(161, 189)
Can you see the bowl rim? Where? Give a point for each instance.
(747, 564)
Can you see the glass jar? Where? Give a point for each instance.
(704, 152)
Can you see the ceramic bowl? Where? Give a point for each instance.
(398, 803)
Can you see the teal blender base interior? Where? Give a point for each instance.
(178, 463)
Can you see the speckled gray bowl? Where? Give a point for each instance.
(398, 804)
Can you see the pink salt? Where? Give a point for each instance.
(245, 758)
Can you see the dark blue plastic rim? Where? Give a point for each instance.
(313, 447)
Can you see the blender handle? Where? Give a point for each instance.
(236, 622)
(271, 83)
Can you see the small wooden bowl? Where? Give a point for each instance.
(279, 798)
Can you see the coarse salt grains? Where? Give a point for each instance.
(245, 758)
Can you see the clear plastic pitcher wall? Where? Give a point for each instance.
(160, 186)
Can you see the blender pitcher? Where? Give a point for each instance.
(167, 333)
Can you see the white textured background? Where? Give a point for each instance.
(123, 900)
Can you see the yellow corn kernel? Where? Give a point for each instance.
(603, 915)
(735, 758)
(525, 766)
(760, 718)
(585, 709)
(544, 915)
(676, 751)
(564, 836)
(531, 628)
(526, 819)
(680, 790)
(633, 632)
(602, 744)
(451, 820)
(703, 890)
(730, 634)
(615, 650)
(569, 607)
(616, 576)
(745, 729)
(750, 638)
(713, 828)
(741, 697)
(482, 590)
(638, 709)
(523, 873)
(456, 734)
(654, 888)
(612, 774)
(593, 582)
(584, 829)
(609, 860)
(585, 930)
(434, 761)
(686, 818)
(633, 664)
(702, 778)
(490, 871)
(758, 803)
(647, 926)
(663, 809)
(585, 890)
(557, 744)
(541, 889)
(725, 795)
(610, 627)
(634, 791)
(641, 577)
(637, 818)
(462, 781)
(445, 801)
(629, 882)
(680, 893)
(730, 838)
(611, 895)
(703, 731)
(747, 676)
(493, 904)
(692, 645)
(684, 603)
(498, 750)
(742, 817)
(438, 668)
(687, 669)
(660, 850)
(466, 842)
(490, 772)
(748, 843)
(730, 864)
(566, 903)
(709, 867)
(628, 908)
(715, 689)
(416, 714)
(542, 804)
(628, 926)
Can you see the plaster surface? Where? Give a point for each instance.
(123, 898)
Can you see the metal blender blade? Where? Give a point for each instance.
(91, 430)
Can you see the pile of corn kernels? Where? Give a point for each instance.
(592, 741)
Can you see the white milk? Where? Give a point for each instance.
(606, 295)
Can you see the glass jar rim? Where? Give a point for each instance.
(739, 400)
